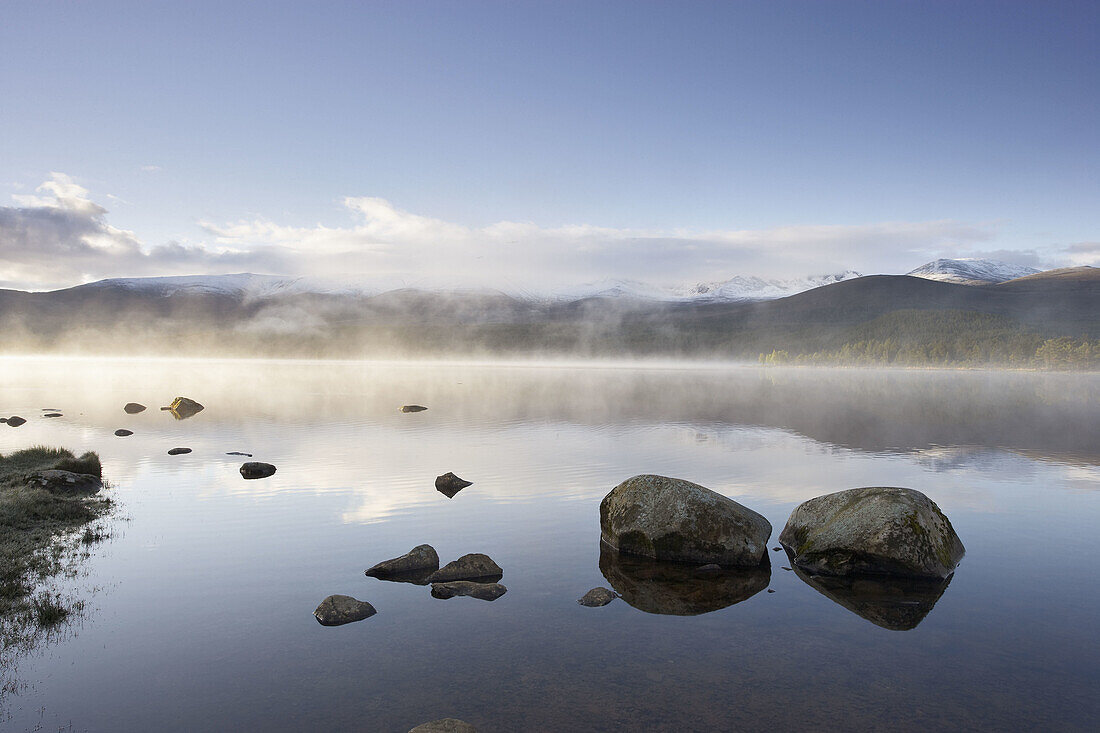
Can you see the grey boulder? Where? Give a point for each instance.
(178, 451)
(123, 432)
(445, 725)
(15, 421)
(337, 610)
(481, 591)
(873, 530)
(256, 469)
(413, 408)
(678, 521)
(64, 482)
(473, 566)
(133, 408)
(415, 565)
(597, 597)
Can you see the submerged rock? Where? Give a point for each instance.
(708, 569)
(481, 591)
(890, 601)
(256, 469)
(133, 408)
(123, 432)
(64, 482)
(675, 589)
(183, 408)
(873, 530)
(15, 421)
(338, 610)
(445, 725)
(178, 451)
(448, 484)
(415, 566)
(474, 566)
(597, 597)
(413, 408)
(675, 520)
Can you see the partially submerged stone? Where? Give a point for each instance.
(874, 530)
(415, 566)
(238, 453)
(123, 432)
(183, 408)
(256, 469)
(337, 610)
(133, 408)
(448, 484)
(675, 520)
(413, 408)
(597, 597)
(474, 566)
(52, 414)
(445, 725)
(178, 451)
(15, 421)
(64, 482)
(481, 591)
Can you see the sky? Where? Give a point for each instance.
(534, 145)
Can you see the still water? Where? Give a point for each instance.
(199, 606)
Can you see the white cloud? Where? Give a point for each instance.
(151, 168)
(58, 236)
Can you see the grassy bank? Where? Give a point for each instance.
(39, 528)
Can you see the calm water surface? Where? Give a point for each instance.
(199, 607)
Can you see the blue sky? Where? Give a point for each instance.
(661, 141)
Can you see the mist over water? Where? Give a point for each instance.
(199, 612)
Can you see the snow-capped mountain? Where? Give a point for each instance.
(244, 285)
(971, 271)
(735, 289)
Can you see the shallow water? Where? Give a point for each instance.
(199, 607)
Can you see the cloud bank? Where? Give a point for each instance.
(59, 237)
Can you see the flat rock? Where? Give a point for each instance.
(123, 432)
(448, 484)
(415, 566)
(445, 725)
(413, 408)
(133, 408)
(338, 610)
(238, 453)
(481, 591)
(64, 482)
(15, 421)
(52, 414)
(183, 408)
(178, 451)
(675, 520)
(473, 566)
(256, 469)
(874, 530)
(597, 597)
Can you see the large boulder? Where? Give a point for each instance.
(445, 725)
(474, 566)
(338, 610)
(678, 521)
(413, 567)
(873, 530)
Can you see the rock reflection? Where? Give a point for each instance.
(892, 602)
(675, 589)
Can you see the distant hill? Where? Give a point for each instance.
(972, 271)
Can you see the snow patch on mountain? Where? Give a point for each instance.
(243, 285)
(971, 271)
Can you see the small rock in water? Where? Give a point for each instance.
(15, 421)
(53, 414)
(776, 549)
(708, 569)
(770, 590)
(183, 408)
(416, 565)
(133, 408)
(3, 419)
(445, 725)
(238, 453)
(598, 597)
(338, 610)
(468, 567)
(178, 451)
(255, 469)
(413, 408)
(123, 432)
(481, 591)
(448, 484)
(785, 567)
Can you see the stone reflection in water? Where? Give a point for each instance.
(892, 602)
(676, 589)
